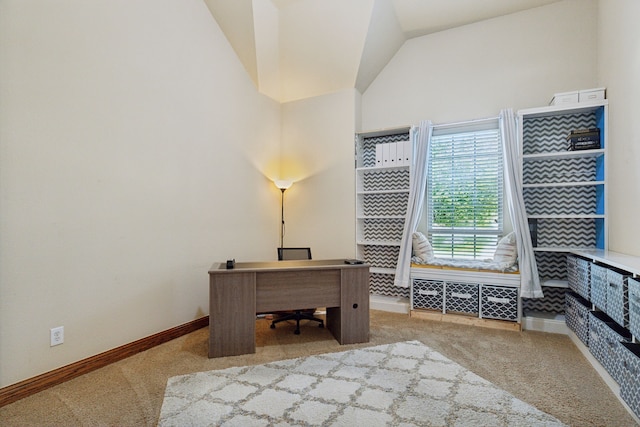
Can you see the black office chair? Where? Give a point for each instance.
(297, 315)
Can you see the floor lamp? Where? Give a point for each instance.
(282, 184)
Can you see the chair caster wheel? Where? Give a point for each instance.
(297, 332)
(273, 326)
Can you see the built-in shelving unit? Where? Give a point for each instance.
(382, 193)
(564, 192)
(561, 185)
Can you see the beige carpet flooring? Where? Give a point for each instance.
(544, 370)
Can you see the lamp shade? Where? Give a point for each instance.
(283, 184)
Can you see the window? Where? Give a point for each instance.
(464, 190)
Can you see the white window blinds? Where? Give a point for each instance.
(464, 191)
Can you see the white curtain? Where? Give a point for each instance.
(529, 279)
(420, 138)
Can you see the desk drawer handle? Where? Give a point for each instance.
(499, 300)
(429, 293)
(459, 295)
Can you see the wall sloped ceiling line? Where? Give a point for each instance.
(297, 49)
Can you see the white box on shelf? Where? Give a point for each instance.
(385, 154)
(378, 155)
(393, 150)
(587, 95)
(564, 98)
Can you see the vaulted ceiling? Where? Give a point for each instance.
(296, 49)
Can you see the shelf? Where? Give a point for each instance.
(554, 283)
(382, 191)
(381, 217)
(382, 168)
(379, 270)
(564, 184)
(378, 242)
(626, 262)
(594, 216)
(385, 132)
(558, 110)
(562, 155)
(561, 249)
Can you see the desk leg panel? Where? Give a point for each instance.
(232, 314)
(349, 323)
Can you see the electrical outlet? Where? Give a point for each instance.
(57, 335)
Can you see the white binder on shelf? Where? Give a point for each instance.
(407, 153)
(400, 153)
(393, 150)
(385, 154)
(378, 155)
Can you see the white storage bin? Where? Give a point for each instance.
(564, 98)
(588, 95)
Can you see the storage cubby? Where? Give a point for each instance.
(577, 316)
(605, 337)
(608, 307)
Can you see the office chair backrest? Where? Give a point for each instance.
(293, 253)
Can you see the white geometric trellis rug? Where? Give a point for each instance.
(401, 384)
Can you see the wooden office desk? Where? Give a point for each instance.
(236, 295)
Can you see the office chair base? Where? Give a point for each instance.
(298, 316)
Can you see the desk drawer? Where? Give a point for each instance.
(293, 290)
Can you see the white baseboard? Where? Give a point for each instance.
(391, 304)
(549, 323)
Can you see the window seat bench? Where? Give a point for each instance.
(475, 293)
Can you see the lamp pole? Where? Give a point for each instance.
(282, 217)
(282, 184)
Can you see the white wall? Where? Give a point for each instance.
(134, 152)
(515, 61)
(619, 72)
(318, 147)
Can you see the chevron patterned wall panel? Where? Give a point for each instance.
(560, 170)
(385, 204)
(560, 200)
(552, 265)
(381, 256)
(563, 232)
(548, 134)
(553, 301)
(369, 147)
(382, 284)
(386, 179)
(383, 229)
